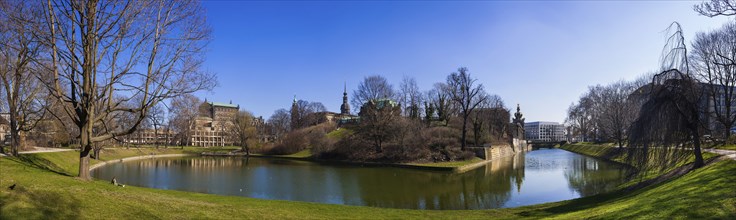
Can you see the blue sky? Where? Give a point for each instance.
(542, 55)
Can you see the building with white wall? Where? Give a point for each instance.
(542, 131)
(4, 127)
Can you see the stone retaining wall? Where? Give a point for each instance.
(498, 151)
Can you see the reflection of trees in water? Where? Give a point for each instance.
(488, 187)
(589, 176)
(491, 186)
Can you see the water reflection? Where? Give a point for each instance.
(589, 177)
(524, 179)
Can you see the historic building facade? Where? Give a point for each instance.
(325, 116)
(213, 126)
(4, 128)
(162, 136)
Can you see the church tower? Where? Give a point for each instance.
(294, 115)
(345, 107)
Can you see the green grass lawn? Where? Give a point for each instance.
(338, 134)
(304, 154)
(43, 194)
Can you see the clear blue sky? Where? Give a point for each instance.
(542, 55)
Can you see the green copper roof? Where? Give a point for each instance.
(223, 104)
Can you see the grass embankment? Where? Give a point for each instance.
(67, 162)
(338, 134)
(694, 195)
(613, 153)
(450, 166)
(43, 194)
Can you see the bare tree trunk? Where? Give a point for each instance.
(86, 146)
(465, 132)
(155, 135)
(698, 153)
(14, 134)
(727, 134)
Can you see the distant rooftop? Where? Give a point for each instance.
(380, 103)
(542, 122)
(224, 105)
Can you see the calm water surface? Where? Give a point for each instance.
(539, 176)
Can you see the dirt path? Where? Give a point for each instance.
(40, 150)
(730, 154)
(44, 150)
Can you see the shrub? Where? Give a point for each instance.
(319, 142)
(293, 142)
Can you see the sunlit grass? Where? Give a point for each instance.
(306, 153)
(340, 133)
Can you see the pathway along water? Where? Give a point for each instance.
(535, 177)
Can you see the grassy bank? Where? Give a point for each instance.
(610, 152)
(46, 191)
(450, 166)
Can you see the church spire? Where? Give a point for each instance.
(345, 107)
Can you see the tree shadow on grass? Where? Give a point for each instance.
(38, 204)
(41, 163)
(629, 192)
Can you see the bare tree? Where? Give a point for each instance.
(617, 111)
(714, 63)
(580, 117)
(498, 118)
(669, 121)
(378, 122)
(410, 97)
(467, 95)
(280, 123)
(244, 130)
(714, 8)
(183, 112)
(479, 119)
(439, 98)
(19, 71)
(156, 116)
(99, 50)
(303, 114)
(372, 88)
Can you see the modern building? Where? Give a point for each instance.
(541, 131)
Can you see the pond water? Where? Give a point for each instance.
(534, 177)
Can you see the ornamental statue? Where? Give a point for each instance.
(518, 123)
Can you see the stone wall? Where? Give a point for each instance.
(498, 151)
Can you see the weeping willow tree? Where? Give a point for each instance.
(668, 128)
